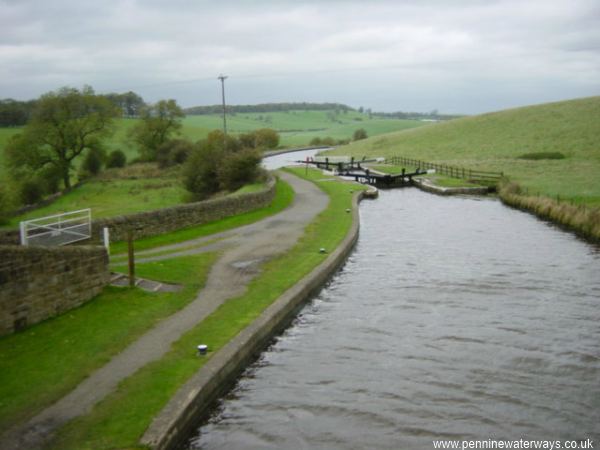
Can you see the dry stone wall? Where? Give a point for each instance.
(37, 283)
(152, 223)
(165, 220)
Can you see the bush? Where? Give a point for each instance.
(173, 152)
(219, 140)
(200, 172)
(209, 168)
(50, 179)
(329, 141)
(238, 169)
(315, 141)
(542, 155)
(6, 204)
(30, 191)
(92, 164)
(116, 158)
(266, 138)
(359, 134)
(248, 140)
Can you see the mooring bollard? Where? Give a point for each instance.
(202, 349)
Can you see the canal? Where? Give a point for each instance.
(454, 318)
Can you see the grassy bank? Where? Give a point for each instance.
(582, 219)
(496, 141)
(43, 363)
(120, 420)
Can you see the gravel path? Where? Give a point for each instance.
(244, 250)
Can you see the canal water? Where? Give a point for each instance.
(454, 318)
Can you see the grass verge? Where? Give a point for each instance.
(120, 420)
(43, 363)
(284, 195)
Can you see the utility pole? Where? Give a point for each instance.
(223, 78)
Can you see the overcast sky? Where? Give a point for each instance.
(457, 56)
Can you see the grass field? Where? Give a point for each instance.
(296, 128)
(46, 361)
(495, 141)
(120, 420)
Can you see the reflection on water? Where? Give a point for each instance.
(454, 318)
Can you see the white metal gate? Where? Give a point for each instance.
(59, 229)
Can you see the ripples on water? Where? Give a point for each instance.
(454, 318)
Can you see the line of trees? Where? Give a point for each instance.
(267, 107)
(16, 113)
(433, 115)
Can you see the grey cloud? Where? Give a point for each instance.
(461, 53)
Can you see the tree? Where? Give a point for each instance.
(158, 123)
(64, 124)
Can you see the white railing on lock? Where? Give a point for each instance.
(59, 229)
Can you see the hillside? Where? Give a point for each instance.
(494, 141)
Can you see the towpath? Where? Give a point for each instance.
(244, 250)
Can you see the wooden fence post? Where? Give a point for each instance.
(131, 260)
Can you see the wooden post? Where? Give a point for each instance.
(131, 259)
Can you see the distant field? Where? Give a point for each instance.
(296, 128)
(495, 141)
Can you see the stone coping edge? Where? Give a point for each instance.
(427, 186)
(195, 399)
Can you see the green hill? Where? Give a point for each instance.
(496, 141)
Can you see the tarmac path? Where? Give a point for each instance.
(244, 250)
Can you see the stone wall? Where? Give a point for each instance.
(37, 283)
(152, 223)
(165, 220)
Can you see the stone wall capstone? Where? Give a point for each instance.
(37, 283)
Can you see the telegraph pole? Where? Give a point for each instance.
(223, 78)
